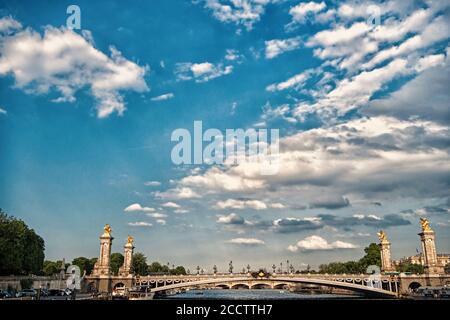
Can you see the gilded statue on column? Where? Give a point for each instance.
(382, 236)
(425, 224)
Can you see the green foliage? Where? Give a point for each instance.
(26, 283)
(156, 267)
(50, 268)
(372, 257)
(84, 264)
(405, 266)
(178, 270)
(139, 264)
(21, 249)
(116, 262)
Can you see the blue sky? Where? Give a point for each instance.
(361, 104)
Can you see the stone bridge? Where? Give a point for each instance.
(383, 286)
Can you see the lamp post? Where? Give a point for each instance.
(274, 267)
(230, 267)
(215, 269)
(198, 270)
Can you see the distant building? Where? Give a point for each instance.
(442, 259)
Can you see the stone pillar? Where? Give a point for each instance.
(102, 266)
(125, 269)
(429, 249)
(385, 250)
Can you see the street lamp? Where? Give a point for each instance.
(273, 268)
(230, 267)
(215, 269)
(198, 270)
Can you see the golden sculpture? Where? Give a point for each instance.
(107, 229)
(382, 236)
(425, 224)
(130, 240)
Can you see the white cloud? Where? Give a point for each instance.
(161, 222)
(313, 243)
(201, 72)
(300, 11)
(338, 35)
(178, 193)
(232, 218)
(351, 93)
(430, 62)
(246, 241)
(157, 215)
(277, 46)
(8, 24)
(140, 224)
(171, 205)
(152, 183)
(137, 207)
(233, 55)
(163, 97)
(241, 204)
(296, 81)
(240, 12)
(65, 61)
(434, 32)
(3, 111)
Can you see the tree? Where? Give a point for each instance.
(155, 267)
(372, 257)
(83, 263)
(50, 268)
(140, 264)
(116, 262)
(21, 249)
(179, 270)
(406, 266)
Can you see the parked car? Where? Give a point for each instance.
(43, 292)
(27, 293)
(5, 294)
(56, 292)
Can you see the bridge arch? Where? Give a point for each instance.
(261, 286)
(240, 286)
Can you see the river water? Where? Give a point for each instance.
(254, 294)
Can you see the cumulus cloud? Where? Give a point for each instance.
(163, 97)
(171, 205)
(246, 241)
(201, 72)
(137, 207)
(247, 204)
(290, 225)
(278, 46)
(301, 11)
(296, 82)
(66, 62)
(242, 13)
(317, 243)
(232, 218)
(330, 202)
(152, 183)
(140, 224)
(157, 215)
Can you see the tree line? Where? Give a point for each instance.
(372, 257)
(139, 265)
